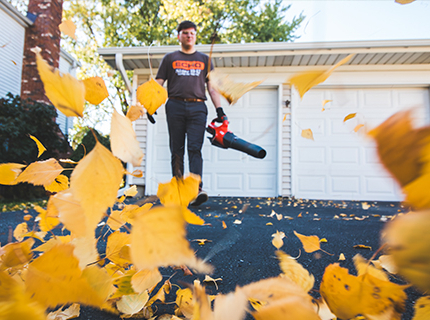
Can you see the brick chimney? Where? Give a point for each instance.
(44, 33)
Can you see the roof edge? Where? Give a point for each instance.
(15, 14)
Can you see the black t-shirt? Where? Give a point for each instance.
(186, 74)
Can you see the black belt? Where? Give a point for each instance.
(187, 99)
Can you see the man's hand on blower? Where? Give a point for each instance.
(150, 118)
(221, 115)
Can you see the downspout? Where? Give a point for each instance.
(120, 66)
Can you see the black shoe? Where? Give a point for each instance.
(201, 198)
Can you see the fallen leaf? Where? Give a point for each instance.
(60, 183)
(237, 221)
(230, 90)
(9, 172)
(358, 127)
(123, 140)
(135, 112)
(210, 279)
(28, 217)
(277, 239)
(202, 242)
(269, 224)
(151, 95)
(158, 239)
(224, 226)
(348, 296)
(422, 308)
(323, 240)
(95, 182)
(68, 28)
(304, 81)
(307, 134)
(365, 205)
(349, 116)
(362, 246)
(40, 147)
(41, 172)
(66, 93)
(95, 90)
(132, 303)
(71, 312)
(342, 257)
(295, 271)
(185, 303)
(310, 243)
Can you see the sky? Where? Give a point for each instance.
(356, 20)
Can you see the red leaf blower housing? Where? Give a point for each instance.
(225, 139)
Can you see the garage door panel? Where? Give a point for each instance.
(343, 164)
(312, 100)
(261, 182)
(229, 182)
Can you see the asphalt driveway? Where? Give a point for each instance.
(239, 233)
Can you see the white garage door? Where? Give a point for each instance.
(342, 164)
(227, 172)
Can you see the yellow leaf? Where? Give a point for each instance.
(131, 192)
(16, 254)
(280, 299)
(161, 293)
(191, 218)
(136, 173)
(295, 271)
(71, 312)
(237, 221)
(408, 242)
(40, 147)
(210, 279)
(85, 250)
(310, 243)
(404, 1)
(230, 90)
(71, 214)
(60, 183)
(41, 172)
(65, 92)
(124, 284)
(68, 28)
(46, 222)
(132, 303)
(342, 257)
(269, 224)
(9, 172)
(55, 278)
(158, 239)
(95, 90)
(123, 140)
(348, 296)
(362, 246)
(53, 242)
(99, 280)
(115, 243)
(224, 226)
(304, 81)
(349, 116)
(386, 262)
(95, 182)
(19, 231)
(179, 191)
(145, 280)
(184, 301)
(307, 134)
(230, 306)
(202, 242)
(358, 127)
(363, 267)
(115, 220)
(135, 112)
(277, 239)
(422, 308)
(151, 95)
(325, 102)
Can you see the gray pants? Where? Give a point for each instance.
(186, 119)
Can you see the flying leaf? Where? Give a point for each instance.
(386, 262)
(68, 28)
(230, 306)
(48, 245)
(304, 81)
(47, 221)
(179, 191)
(123, 140)
(41, 149)
(230, 90)
(191, 218)
(349, 116)
(325, 102)
(115, 221)
(145, 279)
(151, 95)
(135, 112)
(95, 182)
(185, 303)
(132, 303)
(310, 243)
(71, 312)
(408, 242)
(115, 244)
(404, 1)
(95, 90)
(422, 308)
(224, 226)
(158, 239)
(131, 192)
(9, 172)
(363, 267)
(55, 278)
(307, 134)
(60, 183)
(358, 127)
(210, 279)
(277, 239)
(20, 230)
(280, 299)
(348, 296)
(404, 152)
(41, 172)
(65, 92)
(85, 250)
(16, 254)
(99, 280)
(295, 271)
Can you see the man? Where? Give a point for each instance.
(186, 73)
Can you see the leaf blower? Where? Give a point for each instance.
(225, 139)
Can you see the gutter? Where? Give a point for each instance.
(120, 66)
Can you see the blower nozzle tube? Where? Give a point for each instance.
(230, 140)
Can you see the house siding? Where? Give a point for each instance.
(11, 54)
(286, 142)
